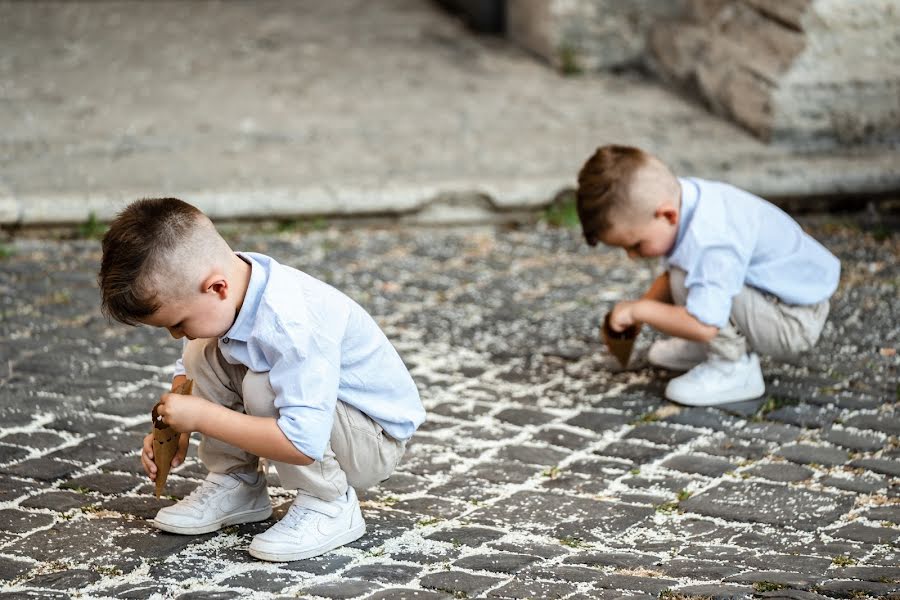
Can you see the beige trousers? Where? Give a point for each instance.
(760, 323)
(359, 453)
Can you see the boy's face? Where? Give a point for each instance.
(645, 239)
(198, 315)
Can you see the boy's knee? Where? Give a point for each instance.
(199, 352)
(259, 397)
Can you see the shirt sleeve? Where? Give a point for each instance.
(717, 277)
(305, 375)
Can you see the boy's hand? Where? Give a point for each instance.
(147, 454)
(622, 315)
(182, 412)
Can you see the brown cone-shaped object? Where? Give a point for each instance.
(620, 343)
(165, 442)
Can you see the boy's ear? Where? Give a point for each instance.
(667, 212)
(217, 284)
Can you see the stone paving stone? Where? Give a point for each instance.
(598, 422)
(806, 454)
(884, 574)
(704, 418)
(872, 535)
(702, 465)
(532, 455)
(210, 595)
(42, 469)
(787, 472)
(532, 589)
(564, 573)
(74, 579)
(717, 591)
(804, 415)
(878, 465)
(504, 471)
(889, 512)
(855, 441)
(458, 582)
(770, 432)
(652, 585)
(624, 560)
(142, 507)
(638, 453)
(261, 581)
(772, 504)
(319, 565)
(10, 453)
(393, 574)
(60, 501)
(40, 440)
(524, 416)
(532, 548)
(20, 521)
(105, 483)
(429, 505)
(408, 594)
(470, 536)
(558, 436)
(661, 434)
(747, 449)
(795, 563)
(496, 562)
(781, 578)
(857, 484)
(11, 568)
(856, 589)
(697, 569)
(886, 423)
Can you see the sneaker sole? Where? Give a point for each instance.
(251, 516)
(754, 392)
(335, 542)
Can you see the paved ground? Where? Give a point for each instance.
(335, 107)
(543, 471)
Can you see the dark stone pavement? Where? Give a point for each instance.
(543, 471)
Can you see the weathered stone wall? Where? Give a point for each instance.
(814, 71)
(576, 35)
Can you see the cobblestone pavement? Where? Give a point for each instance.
(543, 471)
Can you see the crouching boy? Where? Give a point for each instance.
(284, 367)
(742, 278)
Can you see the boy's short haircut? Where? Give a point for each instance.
(603, 184)
(139, 238)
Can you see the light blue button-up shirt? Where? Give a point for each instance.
(318, 346)
(728, 238)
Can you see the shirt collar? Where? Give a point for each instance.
(243, 324)
(690, 194)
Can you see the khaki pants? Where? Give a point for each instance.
(359, 453)
(760, 323)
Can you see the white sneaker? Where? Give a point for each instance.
(676, 354)
(219, 501)
(718, 381)
(311, 527)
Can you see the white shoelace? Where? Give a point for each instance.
(201, 492)
(297, 517)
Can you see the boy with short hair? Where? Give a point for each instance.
(741, 276)
(284, 367)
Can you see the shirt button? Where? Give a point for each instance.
(225, 340)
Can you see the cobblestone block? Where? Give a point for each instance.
(661, 434)
(804, 415)
(504, 472)
(770, 432)
(697, 569)
(42, 469)
(73, 579)
(260, 581)
(143, 507)
(855, 589)
(854, 441)
(10, 453)
(765, 503)
(532, 455)
(621, 560)
(523, 416)
(652, 585)
(703, 465)
(564, 573)
(795, 563)
(408, 594)
(458, 582)
(11, 568)
(20, 521)
(41, 440)
(786, 472)
(780, 578)
(558, 436)
(497, 563)
(860, 485)
(105, 483)
(872, 535)
(532, 589)
(320, 565)
(637, 453)
(886, 423)
(878, 465)
(718, 592)
(598, 421)
(392, 574)
(729, 448)
(806, 454)
(704, 418)
(61, 501)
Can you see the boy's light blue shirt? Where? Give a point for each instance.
(728, 238)
(318, 346)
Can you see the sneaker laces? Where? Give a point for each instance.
(717, 366)
(201, 492)
(297, 517)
